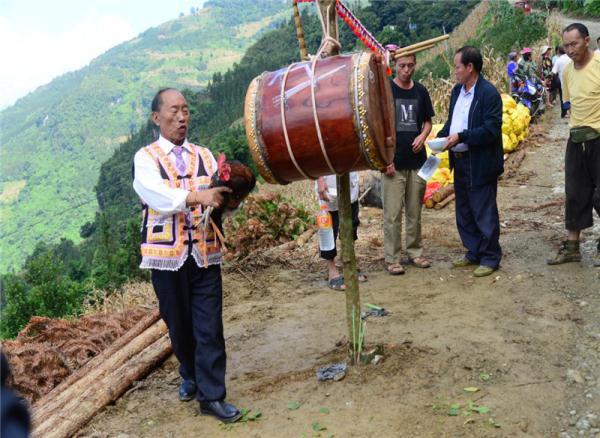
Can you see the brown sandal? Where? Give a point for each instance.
(395, 269)
(420, 262)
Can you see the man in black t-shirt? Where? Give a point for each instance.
(402, 187)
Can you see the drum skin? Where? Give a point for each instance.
(354, 110)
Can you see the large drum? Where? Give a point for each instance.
(302, 125)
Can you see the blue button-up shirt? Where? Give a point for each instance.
(460, 116)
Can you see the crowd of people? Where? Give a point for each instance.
(474, 132)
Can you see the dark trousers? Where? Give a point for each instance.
(191, 302)
(335, 219)
(477, 217)
(582, 183)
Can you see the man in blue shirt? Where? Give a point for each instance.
(474, 131)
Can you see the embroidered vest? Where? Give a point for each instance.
(167, 240)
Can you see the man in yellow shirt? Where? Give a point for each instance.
(581, 87)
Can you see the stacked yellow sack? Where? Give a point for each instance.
(444, 155)
(443, 175)
(515, 123)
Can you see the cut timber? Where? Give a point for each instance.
(54, 395)
(71, 396)
(429, 203)
(445, 202)
(305, 237)
(442, 193)
(84, 405)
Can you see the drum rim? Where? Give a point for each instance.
(374, 155)
(253, 136)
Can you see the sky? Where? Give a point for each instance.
(42, 39)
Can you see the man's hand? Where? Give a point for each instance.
(322, 189)
(453, 140)
(390, 170)
(207, 198)
(418, 143)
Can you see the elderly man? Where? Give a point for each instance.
(474, 131)
(403, 189)
(581, 87)
(172, 177)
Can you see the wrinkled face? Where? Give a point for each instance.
(405, 68)
(575, 45)
(462, 72)
(173, 117)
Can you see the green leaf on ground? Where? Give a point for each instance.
(318, 427)
(484, 377)
(372, 306)
(292, 406)
(476, 408)
(454, 410)
(324, 410)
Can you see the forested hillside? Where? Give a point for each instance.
(55, 138)
(108, 255)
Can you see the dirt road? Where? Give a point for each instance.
(592, 25)
(527, 338)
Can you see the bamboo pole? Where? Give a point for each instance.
(345, 211)
(400, 52)
(300, 32)
(414, 51)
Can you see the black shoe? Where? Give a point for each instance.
(187, 390)
(225, 412)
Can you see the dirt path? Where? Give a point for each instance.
(528, 338)
(592, 25)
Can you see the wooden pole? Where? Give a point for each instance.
(345, 213)
(425, 43)
(300, 32)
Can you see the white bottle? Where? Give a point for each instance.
(325, 229)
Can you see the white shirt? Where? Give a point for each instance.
(460, 116)
(331, 183)
(149, 184)
(559, 67)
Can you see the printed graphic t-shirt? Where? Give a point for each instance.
(413, 108)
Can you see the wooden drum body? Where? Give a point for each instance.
(347, 104)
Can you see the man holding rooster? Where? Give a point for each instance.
(179, 185)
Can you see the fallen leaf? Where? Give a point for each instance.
(484, 377)
(292, 406)
(454, 410)
(318, 427)
(471, 389)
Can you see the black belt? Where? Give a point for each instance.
(460, 155)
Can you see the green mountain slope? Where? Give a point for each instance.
(54, 140)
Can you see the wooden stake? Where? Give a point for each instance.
(345, 211)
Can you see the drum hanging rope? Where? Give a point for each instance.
(284, 124)
(335, 42)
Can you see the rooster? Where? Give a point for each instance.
(235, 175)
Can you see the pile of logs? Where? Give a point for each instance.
(102, 380)
(441, 197)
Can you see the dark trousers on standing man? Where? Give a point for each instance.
(190, 302)
(477, 217)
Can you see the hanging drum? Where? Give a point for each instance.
(302, 125)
